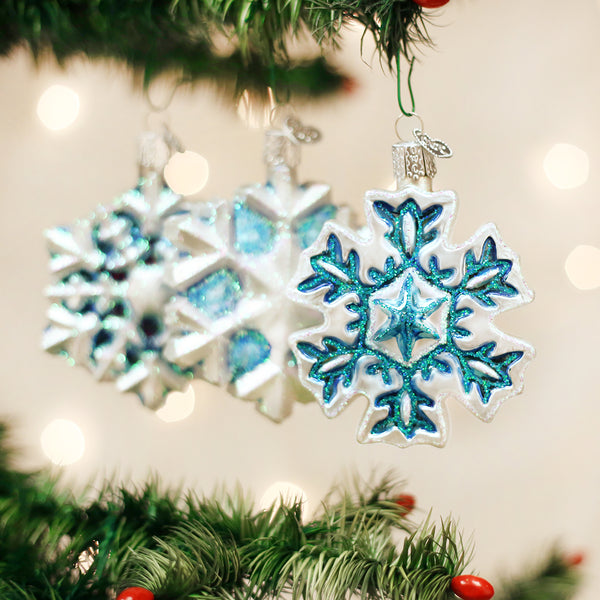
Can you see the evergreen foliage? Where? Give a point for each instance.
(553, 579)
(56, 546)
(188, 37)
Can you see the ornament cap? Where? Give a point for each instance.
(153, 152)
(282, 146)
(413, 164)
(280, 150)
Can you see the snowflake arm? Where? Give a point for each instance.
(481, 369)
(405, 412)
(334, 364)
(487, 276)
(331, 271)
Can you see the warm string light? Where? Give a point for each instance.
(58, 107)
(286, 491)
(566, 166)
(178, 406)
(583, 267)
(63, 442)
(186, 173)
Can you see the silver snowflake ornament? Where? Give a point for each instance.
(112, 286)
(407, 317)
(236, 317)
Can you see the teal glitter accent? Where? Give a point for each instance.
(120, 240)
(254, 232)
(310, 226)
(217, 295)
(248, 348)
(407, 314)
(410, 229)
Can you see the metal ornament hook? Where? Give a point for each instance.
(400, 117)
(300, 132)
(437, 148)
(291, 127)
(158, 108)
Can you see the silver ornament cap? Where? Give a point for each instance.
(280, 150)
(153, 152)
(413, 164)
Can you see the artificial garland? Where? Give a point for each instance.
(556, 577)
(187, 37)
(174, 546)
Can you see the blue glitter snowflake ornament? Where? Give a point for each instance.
(236, 318)
(407, 316)
(113, 289)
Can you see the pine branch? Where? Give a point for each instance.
(186, 37)
(554, 579)
(221, 547)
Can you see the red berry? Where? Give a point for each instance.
(406, 502)
(574, 560)
(136, 593)
(431, 3)
(470, 587)
(349, 85)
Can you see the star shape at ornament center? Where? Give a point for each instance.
(407, 316)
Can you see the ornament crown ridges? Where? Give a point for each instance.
(155, 148)
(414, 161)
(413, 164)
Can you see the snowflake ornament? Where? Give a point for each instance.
(408, 316)
(112, 288)
(236, 316)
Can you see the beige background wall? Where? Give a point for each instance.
(507, 81)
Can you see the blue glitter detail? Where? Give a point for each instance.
(254, 232)
(335, 362)
(123, 239)
(248, 348)
(407, 314)
(103, 338)
(216, 295)
(113, 247)
(310, 226)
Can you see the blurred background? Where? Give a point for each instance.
(513, 87)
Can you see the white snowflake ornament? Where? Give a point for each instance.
(407, 316)
(112, 287)
(236, 316)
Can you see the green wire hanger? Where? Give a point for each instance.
(410, 90)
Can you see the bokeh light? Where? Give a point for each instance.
(583, 267)
(286, 491)
(566, 166)
(63, 442)
(186, 172)
(178, 406)
(58, 107)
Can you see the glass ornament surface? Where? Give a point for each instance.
(407, 317)
(112, 286)
(237, 321)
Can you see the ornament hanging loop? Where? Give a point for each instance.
(399, 119)
(437, 148)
